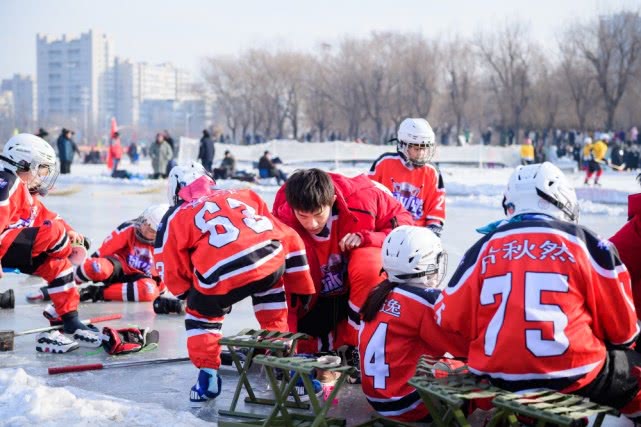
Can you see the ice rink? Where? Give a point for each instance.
(159, 395)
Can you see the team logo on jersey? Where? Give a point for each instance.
(392, 307)
(140, 260)
(332, 275)
(3, 183)
(407, 194)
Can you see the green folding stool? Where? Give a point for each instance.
(302, 369)
(276, 343)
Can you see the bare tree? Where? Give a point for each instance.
(612, 45)
(580, 80)
(460, 68)
(506, 56)
(318, 106)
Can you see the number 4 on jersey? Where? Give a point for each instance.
(374, 364)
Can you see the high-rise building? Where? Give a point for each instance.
(156, 96)
(75, 81)
(24, 105)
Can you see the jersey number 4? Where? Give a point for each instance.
(374, 363)
(535, 311)
(220, 228)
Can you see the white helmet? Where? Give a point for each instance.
(587, 140)
(152, 216)
(183, 175)
(540, 188)
(414, 255)
(416, 132)
(28, 153)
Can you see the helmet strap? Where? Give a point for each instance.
(19, 168)
(562, 207)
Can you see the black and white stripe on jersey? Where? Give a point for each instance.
(603, 255)
(426, 296)
(124, 226)
(296, 261)
(246, 260)
(395, 406)
(201, 326)
(269, 296)
(382, 157)
(161, 234)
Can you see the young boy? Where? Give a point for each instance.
(545, 302)
(343, 222)
(411, 177)
(398, 325)
(214, 249)
(124, 264)
(36, 240)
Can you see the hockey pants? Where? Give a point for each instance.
(43, 251)
(205, 315)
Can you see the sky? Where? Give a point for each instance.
(184, 32)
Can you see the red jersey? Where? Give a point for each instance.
(225, 239)
(333, 263)
(419, 189)
(19, 208)
(628, 242)
(390, 346)
(538, 300)
(134, 255)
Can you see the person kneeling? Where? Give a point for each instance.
(125, 265)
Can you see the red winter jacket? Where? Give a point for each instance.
(628, 242)
(362, 209)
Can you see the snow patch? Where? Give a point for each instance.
(27, 401)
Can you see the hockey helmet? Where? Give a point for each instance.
(541, 188)
(414, 255)
(28, 153)
(419, 134)
(181, 176)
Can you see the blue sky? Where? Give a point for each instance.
(185, 31)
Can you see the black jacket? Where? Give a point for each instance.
(206, 151)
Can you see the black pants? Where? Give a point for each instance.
(323, 318)
(614, 386)
(220, 305)
(65, 166)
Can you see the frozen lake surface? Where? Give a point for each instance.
(158, 395)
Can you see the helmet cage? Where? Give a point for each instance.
(43, 175)
(139, 223)
(423, 157)
(435, 273)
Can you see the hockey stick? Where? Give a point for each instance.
(98, 319)
(99, 366)
(6, 337)
(225, 361)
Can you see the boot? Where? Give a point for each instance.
(7, 299)
(93, 293)
(164, 305)
(208, 386)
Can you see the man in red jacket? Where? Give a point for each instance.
(628, 242)
(343, 222)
